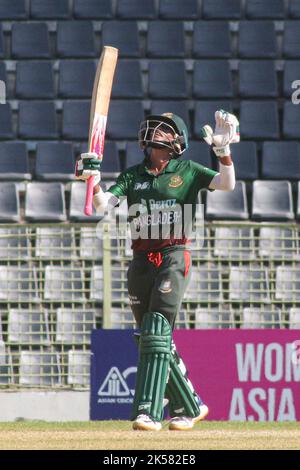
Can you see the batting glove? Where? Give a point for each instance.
(88, 165)
(226, 132)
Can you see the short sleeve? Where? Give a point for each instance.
(202, 175)
(120, 187)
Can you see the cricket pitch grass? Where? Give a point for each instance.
(117, 435)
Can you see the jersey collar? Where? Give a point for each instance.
(170, 168)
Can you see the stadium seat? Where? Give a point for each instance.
(213, 318)
(76, 78)
(79, 365)
(128, 80)
(14, 163)
(281, 160)
(123, 35)
(198, 152)
(76, 118)
(272, 200)
(96, 287)
(14, 243)
(110, 166)
(178, 107)
(9, 202)
(298, 202)
(93, 9)
(13, 10)
(205, 113)
(230, 205)
(262, 9)
(165, 39)
(77, 203)
(37, 120)
(64, 284)
(45, 202)
(294, 318)
(134, 154)
(177, 10)
(211, 39)
(124, 119)
(291, 40)
(277, 243)
(19, 284)
(54, 10)
(249, 284)
(54, 161)
(245, 160)
(74, 326)
(262, 125)
(91, 244)
(1, 42)
(294, 10)
(6, 128)
(121, 319)
(287, 283)
(30, 41)
(218, 10)
(135, 9)
(255, 317)
(291, 71)
(75, 39)
(3, 78)
(161, 74)
(257, 40)
(55, 243)
(257, 79)
(6, 376)
(234, 243)
(35, 80)
(291, 116)
(40, 369)
(212, 79)
(205, 285)
(28, 327)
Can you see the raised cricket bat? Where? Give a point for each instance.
(99, 111)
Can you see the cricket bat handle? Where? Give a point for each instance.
(88, 208)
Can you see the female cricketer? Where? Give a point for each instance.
(159, 272)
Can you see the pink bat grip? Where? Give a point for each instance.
(88, 208)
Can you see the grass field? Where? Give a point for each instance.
(117, 435)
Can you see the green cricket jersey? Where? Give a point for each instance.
(157, 204)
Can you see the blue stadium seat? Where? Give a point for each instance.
(291, 116)
(76, 78)
(75, 39)
(298, 203)
(245, 160)
(220, 10)
(13, 10)
(211, 39)
(93, 9)
(161, 74)
(249, 284)
(165, 39)
(281, 160)
(262, 125)
(230, 205)
(74, 326)
(294, 10)
(212, 79)
(30, 41)
(135, 9)
(9, 202)
(272, 200)
(287, 283)
(40, 369)
(35, 80)
(291, 40)
(205, 113)
(77, 203)
(55, 243)
(128, 80)
(54, 10)
(124, 119)
(19, 284)
(264, 9)
(28, 327)
(123, 35)
(256, 317)
(277, 243)
(257, 40)
(6, 129)
(76, 115)
(234, 243)
(14, 163)
(178, 10)
(178, 107)
(110, 166)
(54, 161)
(3, 76)
(37, 120)
(45, 202)
(134, 154)
(1, 42)
(291, 71)
(258, 79)
(198, 152)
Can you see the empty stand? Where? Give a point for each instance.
(35, 80)
(249, 284)
(39, 369)
(64, 284)
(258, 79)
(37, 120)
(121, 319)
(219, 10)
(14, 163)
(74, 326)
(277, 242)
(177, 10)
(198, 152)
(262, 9)
(45, 202)
(124, 119)
(6, 376)
(96, 288)
(281, 160)
(123, 35)
(93, 9)
(55, 243)
(298, 202)
(291, 72)
(228, 205)
(13, 10)
(76, 116)
(18, 284)
(91, 244)
(161, 74)
(287, 283)
(54, 10)
(272, 200)
(28, 327)
(79, 368)
(257, 40)
(110, 167)
(212, 79)
(294, 10)
(6, 128)
(54, 161)
(128, 80)
(205, 285)
(291, 39)
(256, 317)
(134, 154)
(14, 243)
(135, 9)
(1, 42)
(294, 318)
(213, 318)
(262, 125)
(165, 39)
(9, 202)
(75, 39)
(76, 78)
(291, 116)
(205, 113)
(77, 203)
(234, 243)
(30, 41)
(211, 39)
(245, 160)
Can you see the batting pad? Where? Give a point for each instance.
(153, 367)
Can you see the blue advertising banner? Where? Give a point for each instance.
(113, 374)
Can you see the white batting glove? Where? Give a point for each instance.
(226, 132)
(88, 165)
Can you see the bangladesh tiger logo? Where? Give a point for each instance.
(175, 181)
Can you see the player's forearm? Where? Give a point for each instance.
(225, 179)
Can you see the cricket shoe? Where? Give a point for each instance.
(184, 423)
(146, 423)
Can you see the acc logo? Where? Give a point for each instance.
(114, 388)
(175, 181)
(145, 185)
